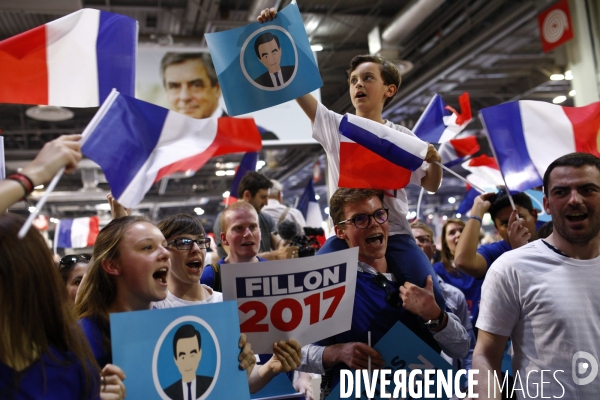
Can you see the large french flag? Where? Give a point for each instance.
(309, 207)
(373, 155)
(528, 135)
(74, 61)
(76, 233)
(440, 122)
(137, 143)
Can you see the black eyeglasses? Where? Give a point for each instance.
(187, 244)
(72, 259)
(361, 221)
(392, 296)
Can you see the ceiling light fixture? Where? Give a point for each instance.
(49, 113)
(559, 99)
(557, 77)
(316, 47)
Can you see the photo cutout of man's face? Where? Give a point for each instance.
(187, 359)
(189, 90)
(270, 55)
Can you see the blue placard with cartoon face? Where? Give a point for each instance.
(193, 349)
(262, 65)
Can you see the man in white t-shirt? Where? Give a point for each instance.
(279, 211)
(545, 296)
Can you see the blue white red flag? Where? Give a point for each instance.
(76, 233)
(528, 135)
(455, 151)
(440, 122)
(137, 143)
(373, 155)
(484, 172)
(309, 207)
(74, 61)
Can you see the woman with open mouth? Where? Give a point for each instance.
(128, 272)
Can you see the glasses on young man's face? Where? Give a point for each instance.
(361, 221)
(187, 244)
(72, 259)
(392, 296)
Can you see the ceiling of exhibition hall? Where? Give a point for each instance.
(490, 49)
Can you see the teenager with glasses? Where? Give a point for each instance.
(382, 298)
(43, 355)
(72, 267)
(186, 242)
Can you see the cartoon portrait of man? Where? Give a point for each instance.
(187, 352)
(268, 50)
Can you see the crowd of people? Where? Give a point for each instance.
(55, 339)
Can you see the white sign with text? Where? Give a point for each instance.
(306, 299)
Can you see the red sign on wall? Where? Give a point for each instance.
(555, 25)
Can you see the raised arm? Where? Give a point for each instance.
(307, 102)
(466, 257)
(65, 151)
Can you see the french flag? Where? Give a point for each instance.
(373, 155)
(309, 207)
(74, 61)
(137, 143)
(528, 135)
(455, 151)
(76, 233)
(484, 172)
(440, 122)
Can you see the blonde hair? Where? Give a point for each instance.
(240, 205)
(99, 290)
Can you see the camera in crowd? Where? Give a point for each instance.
(307, 244)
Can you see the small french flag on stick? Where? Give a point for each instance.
(373, 155)
(440, 122)
(76, 233)
(74, 61)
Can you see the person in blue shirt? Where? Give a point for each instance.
(516, 227)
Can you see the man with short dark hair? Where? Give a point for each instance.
(254, 189)
(515, 232)
(187, 352)
(544, 295)
(268, 51)
(381, 299)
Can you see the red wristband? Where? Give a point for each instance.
(24, 181)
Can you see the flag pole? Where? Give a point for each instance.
(480, 190)
(419, 202)
(84, 136)
(487, 134)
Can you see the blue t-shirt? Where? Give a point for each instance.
(48, 379)
(493, 250)
(471, 287)
(208, 274)
(92, 332)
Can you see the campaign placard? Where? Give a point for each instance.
(262, 65)
(165, 352)
(307, 299)
(412, 370)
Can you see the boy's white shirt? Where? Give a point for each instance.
(326, 132)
